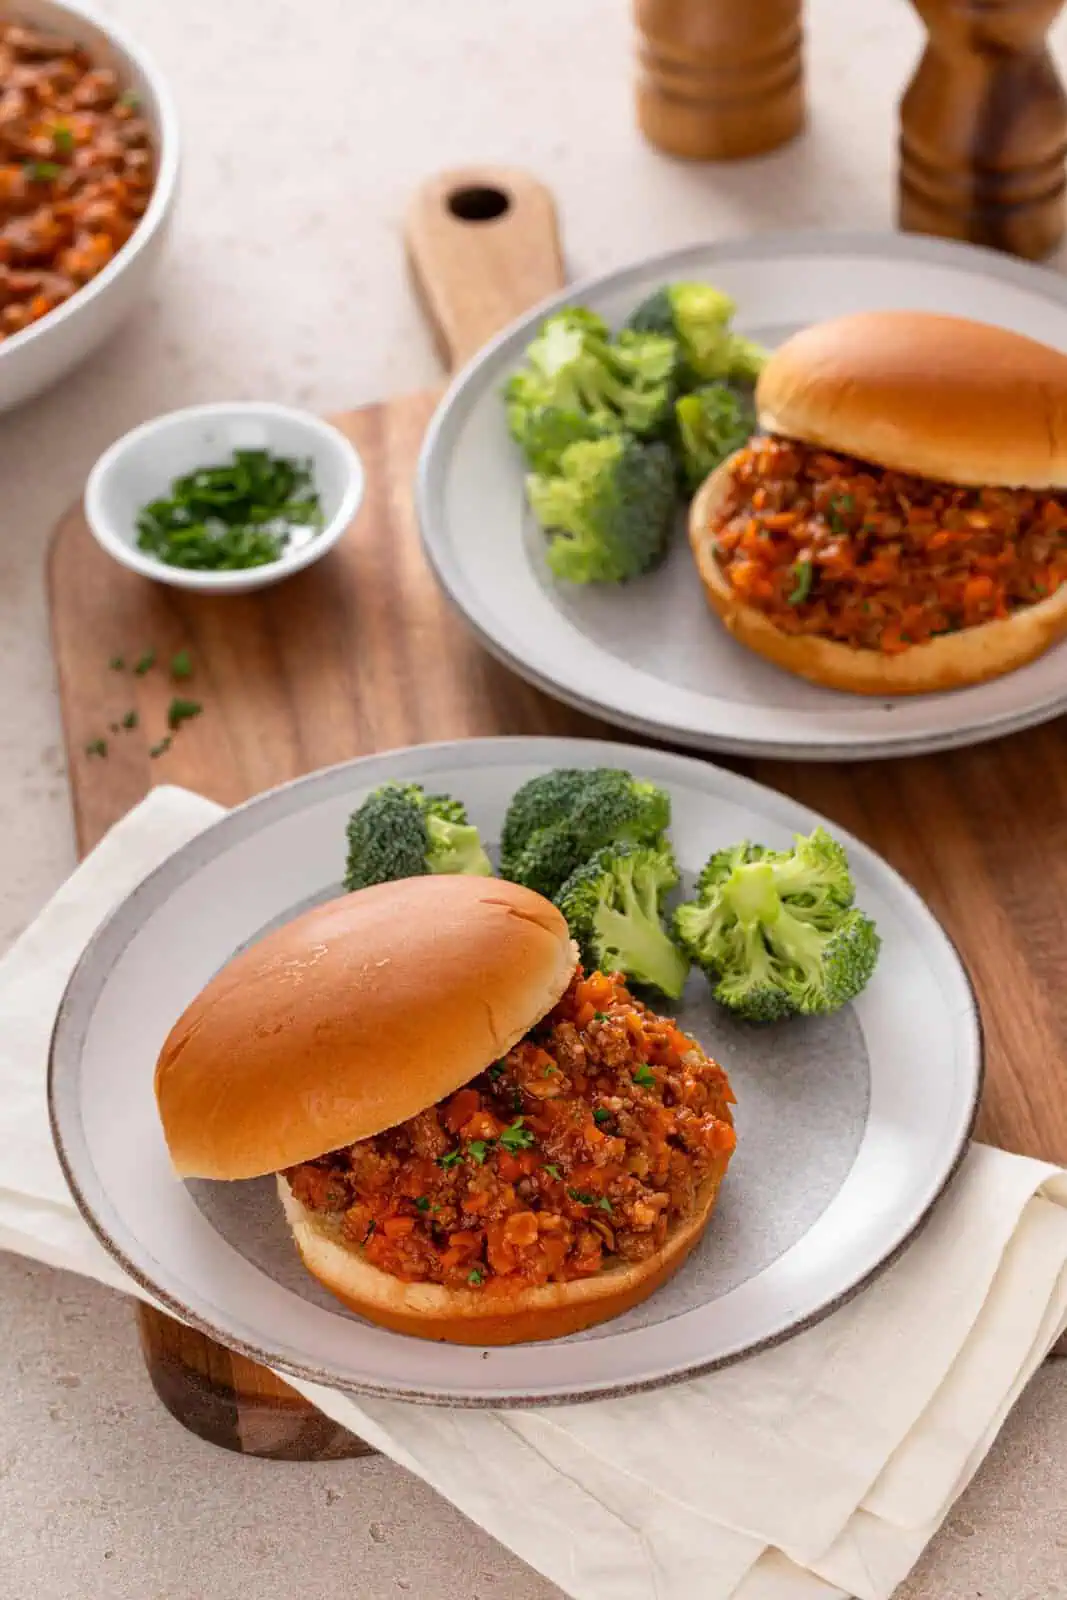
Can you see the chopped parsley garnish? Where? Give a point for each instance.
(478, 1149)
(422, 1203)
(600, 1016)
(601, 1115)
(516, 1137)
(370, 1229)
(553, 1172)
(645, 1077)
(802, 575)
(116, 663)
(474, 1277)
(242, 513)
(181, 665)
(42, 171)
(162, 747)
(130, 720)
(450, 1159)
(145, 663)
(494, 1071)
(549, 1070)
(63, 139)
(96, 747)
(180, 711)
(582, 1197)
(603, 1204)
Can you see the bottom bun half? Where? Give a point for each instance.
(495, 1315)
(951, 661)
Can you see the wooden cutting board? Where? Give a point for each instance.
(361, 653)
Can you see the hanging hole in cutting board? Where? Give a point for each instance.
(478, 204)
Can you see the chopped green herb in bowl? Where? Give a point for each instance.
(244, 513)
(224, 498)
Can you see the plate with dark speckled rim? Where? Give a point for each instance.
(849, 1127)
(649, 655)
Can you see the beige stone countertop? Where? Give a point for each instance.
(306, 130)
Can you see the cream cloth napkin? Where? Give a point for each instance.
(819, 1469)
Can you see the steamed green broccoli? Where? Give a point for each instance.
(711, 423)
(744, 360)
(699, 317)
(544, 432)
(401, 832)
(613, 906)
(574, 370)
(776, 931)
(609, 512)
(614, 808)
(540, 801)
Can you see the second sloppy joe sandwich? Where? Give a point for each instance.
(474, 1140)
(898, 525)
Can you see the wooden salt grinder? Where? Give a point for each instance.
(983, 131)
(719, 79)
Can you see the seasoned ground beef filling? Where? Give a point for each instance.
(580, 1148)
(828, 545)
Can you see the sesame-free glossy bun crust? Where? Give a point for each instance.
(940, 397)
(354, 1017)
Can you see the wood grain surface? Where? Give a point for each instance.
(717, 80)
(983, 128)
(361, 653)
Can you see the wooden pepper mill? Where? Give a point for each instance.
(984, 127)
(719, 79)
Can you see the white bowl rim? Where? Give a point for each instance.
(128, 555)
(168, 162)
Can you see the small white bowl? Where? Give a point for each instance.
(141, 466)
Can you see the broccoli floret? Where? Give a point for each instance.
(776, 931)
(615, 809)
(541, 801)
(610, 511)
(695, 314)
(544, 432)
(575, 370)
(745, 359)
(401, 832)
(711, 423)
(699, 317)
(613, 908)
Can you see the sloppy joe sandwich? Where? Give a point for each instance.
(474, 1140)
(898, 525)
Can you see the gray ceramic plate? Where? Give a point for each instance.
(650, 656)
(849, 1127)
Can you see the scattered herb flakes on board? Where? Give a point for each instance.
(242, 513)
(180, 711)
(181, 665)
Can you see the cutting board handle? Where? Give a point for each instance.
(483, 245)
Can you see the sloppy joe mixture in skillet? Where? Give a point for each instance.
(580, 1148)
(828, 545)
(76, 171)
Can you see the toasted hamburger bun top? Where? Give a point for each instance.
(940, 397)
(354, 1017)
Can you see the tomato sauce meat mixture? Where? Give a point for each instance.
(76, 172)
(828, 545)
(582, 1147)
